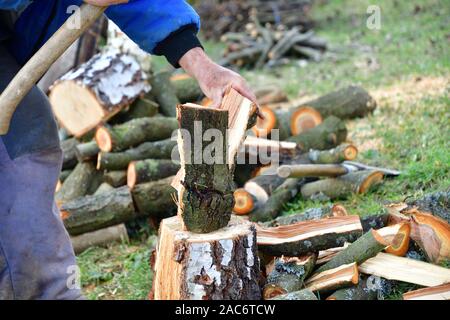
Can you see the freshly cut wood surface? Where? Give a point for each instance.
(398, 236)
(441, 292)
(407, 270)
(339, 154)
(82, 99)
(328, 254)
(219, 265)
(309, 236)
(342, 276)
(303, 119)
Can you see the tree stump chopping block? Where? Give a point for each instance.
(221, 265)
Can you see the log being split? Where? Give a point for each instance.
(100, 237)
(134, 132)
(367, 246)
(274, 204)
(205, 185)
(329, 134)
(304, 294)
(82, 99)
(339, 154)
(164, 93)
(403, 269)
(221, 265)
(343, 276)
(441, 292)
(309, 236)
(77, 183)
(163, 149)
(186, 88)
(288, 275)
(150, 170)
(310, 214)
(313, 170)
(354, 182)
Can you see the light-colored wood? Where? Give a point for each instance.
(41, 61)
(398, 236)
(342, 276)
(432, 293)
(303, 119)
(220, 265)
(407, 270)
(328, 254)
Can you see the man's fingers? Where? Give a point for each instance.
(243, 89)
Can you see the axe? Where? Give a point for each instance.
(41, 61)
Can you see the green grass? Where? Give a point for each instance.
(412, 133)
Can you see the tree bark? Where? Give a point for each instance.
(343, 276)
(376, 221)
(165, 93)
(86, 151)
(186, 88)
(222, 266)
(140, 108)
(304, 294)
(116, 178)
(69, 156)
(437, 203)
(339, 154)
(96, 90)
(76, 184)
(162, 149)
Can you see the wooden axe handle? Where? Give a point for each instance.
(41, 61)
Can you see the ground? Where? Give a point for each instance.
(405, 65)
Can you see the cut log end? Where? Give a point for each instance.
(265, 123)
(103, 139)
(350, 152)
(131, 175)
(303, 119)
(243, 202)
(398, 236)
(372, 179)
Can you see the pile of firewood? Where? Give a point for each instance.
(219, 17)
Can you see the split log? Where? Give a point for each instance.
(431, 233)
(441, 292)
(398, 236)
(163, 149)
(86, 151)
(274, 204)
(437, 203)
(134, 132)
(403, 269)
(116, 178)
(186, 88)
(155, 198)
(221, 266)
(313, 170)
(326, 255)
(150, 170)
(343, 276)
(329, 134)
(82, 99)
(77, 183)
(165, 93)
(359, 292)
(68, 151)
(310, 214)
(369, 245)
(332, 188)
(347, 103)
(339, 154)
(376, 221)
(99, 238)
(288, 275)
(309, 236)
(99, 211)
(304, 294)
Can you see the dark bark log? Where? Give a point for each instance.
(375, 221)
(163, 149)
(116, 178)
(437, 203)
(64, 174)
(69, 156)
(149, 170)
(165, 93)
(86, 151)
(76, 184)
(186, 88)
(141, 108)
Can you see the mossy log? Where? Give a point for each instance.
(134, 132)
(339, 154)
(329, 134)
(77, 183)
(222, 265)
(104, 187)
(101, 237)
(274, 204)
(340, 277)
(367, 246)
(304, 294)
(164, 92)
(347, 103)
(86, 151)
(116, 178)
(68, 151)
(309, 236)
(359, 292)
(186, 88)
(288, 275)
(99, 211)
(358, 182)
(309, 214)
(163, 149)
(64, 174)
(149, 170)
(155, 198)
(140, 108)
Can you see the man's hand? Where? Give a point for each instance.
(212, 78)
(105, 3)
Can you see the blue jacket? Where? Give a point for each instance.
(146, 22)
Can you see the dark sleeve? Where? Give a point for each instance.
(178, 43)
